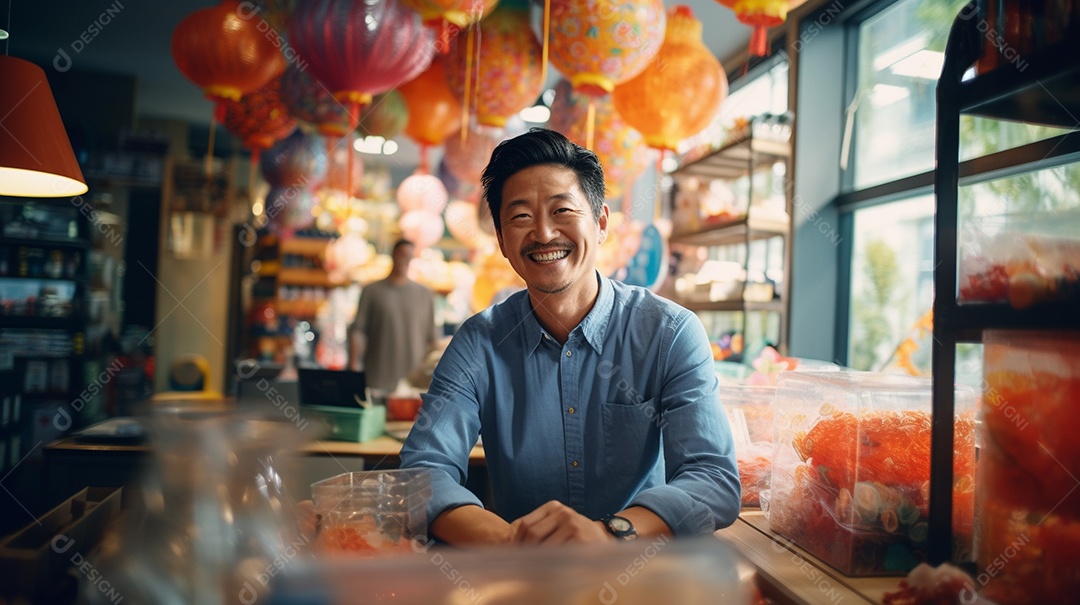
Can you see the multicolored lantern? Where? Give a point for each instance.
(297, 160)
(360, 49)
(337, 175)
(224, 53)
(385, 117)
(620, 148)
(313, 105)
(680, 92)
(289, 209)
(598, 44)
(422, 192)
(259, 119)
(466, 161)
(457, 188)
(434, 111)
(509, 67)
(760, 15)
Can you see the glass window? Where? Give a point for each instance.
(764, 93)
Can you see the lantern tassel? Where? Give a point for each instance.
(544, 50)
(590, 123)
(468, 88)
(759, 41)
(476, 88)
(252, 169)
(423, 168)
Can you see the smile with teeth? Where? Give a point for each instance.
(547, 257)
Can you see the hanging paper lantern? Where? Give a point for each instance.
(459, 13)
(259, 119)
(360, 49)
(337, 171)
(510, 64)
(455, 187)
(619, 147)
(385, 117)
(760, 15)
(297, 160)
(598, 44)
(289, 209)
(313, 105)
(680, 92)
(225, 54)
(463, 223)
(466, 161)
(422, 228)
(434, 111)
(422, 192)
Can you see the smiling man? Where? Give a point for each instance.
(596, 401)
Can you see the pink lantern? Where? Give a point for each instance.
(463, 222)
(423, 193)
(360, 49)
(466, 161)
(422, 228)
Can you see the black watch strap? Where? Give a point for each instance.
(620, 527)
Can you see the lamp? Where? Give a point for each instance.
(36, 159)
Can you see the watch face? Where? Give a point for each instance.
(619, 524)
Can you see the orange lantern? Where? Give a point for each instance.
(509, 65)
(680, 92)
(760, 15)
(433, 109)
(619, 147)
(597, 44)
(223, 52)
(259, 119)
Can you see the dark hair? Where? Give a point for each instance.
(541, 146)
(401, 242)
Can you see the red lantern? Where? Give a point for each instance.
(312, 104)
(466, 161)
(434, 111)
(760, 15)
(680, 92)
(259, 119)
(510, 64)
(619, 147)
(223, 52)
(339, 166)
(360, 49)
(597, 44)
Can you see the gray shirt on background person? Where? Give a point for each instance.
(398, 321)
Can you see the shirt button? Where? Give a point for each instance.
(546, 337)
(568, 353)
(571, 410)
(574, 463)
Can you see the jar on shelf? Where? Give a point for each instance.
(1028, 529)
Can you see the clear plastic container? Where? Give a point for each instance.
(372, 512)
(1029, 505)
(851, 469)
(749, 413)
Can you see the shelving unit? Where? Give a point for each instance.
(1046, 92)
(745, 157)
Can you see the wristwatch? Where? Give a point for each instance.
(620, 527)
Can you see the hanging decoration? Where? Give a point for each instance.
(509, 66)
(289, 209)
(457, 188)
(337, 178)
(225, 54)
(447, 17)
(759, 15)
(422, 193)
(385, 117)
(619, 147)
(360, 49)
(274, 12)
(259, 119)
(317, 109)
(422, 228)
(467, 161)
(463, 222)
(297, 160)
(679, 93)
(598, 44)
(433, 108)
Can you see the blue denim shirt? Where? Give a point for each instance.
(626, 413)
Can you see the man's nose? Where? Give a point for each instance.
(544, 229)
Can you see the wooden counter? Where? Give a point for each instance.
(791, 575)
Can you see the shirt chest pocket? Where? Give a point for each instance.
(631, 437)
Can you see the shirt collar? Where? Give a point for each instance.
(593, 327)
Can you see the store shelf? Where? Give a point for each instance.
(291, 276)
(307, 246)
(731, 160)
(38, 322)
(970, 319)
(298, 308)
(733, 232)
(45, 242)
(1044, 92)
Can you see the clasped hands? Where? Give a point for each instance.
(556, 523)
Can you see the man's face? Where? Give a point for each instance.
(402, 256)
(549, 233)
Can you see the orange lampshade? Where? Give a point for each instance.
(36, 159)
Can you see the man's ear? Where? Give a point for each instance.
(498, 236)
(605, 212)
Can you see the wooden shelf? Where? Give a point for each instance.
(733, 232)
(307, 246)
(737, 158)
(298, 308)
(291, 276)
(793, 575)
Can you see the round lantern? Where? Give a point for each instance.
(259, 119)
(463, 223)
(385, 117)
(422, 192)
(459, 13)
(619, 147)
(224, 53)
(434, 111)
(509, 67)
(466, 161)
(422, 228)
(360, 49)
(760, 15)
(289, 209)
(598, 44)
(680, 92)
(338, 168)
(299, 159)
(312, 104)
(457, 188)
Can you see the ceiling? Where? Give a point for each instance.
(132, 37)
